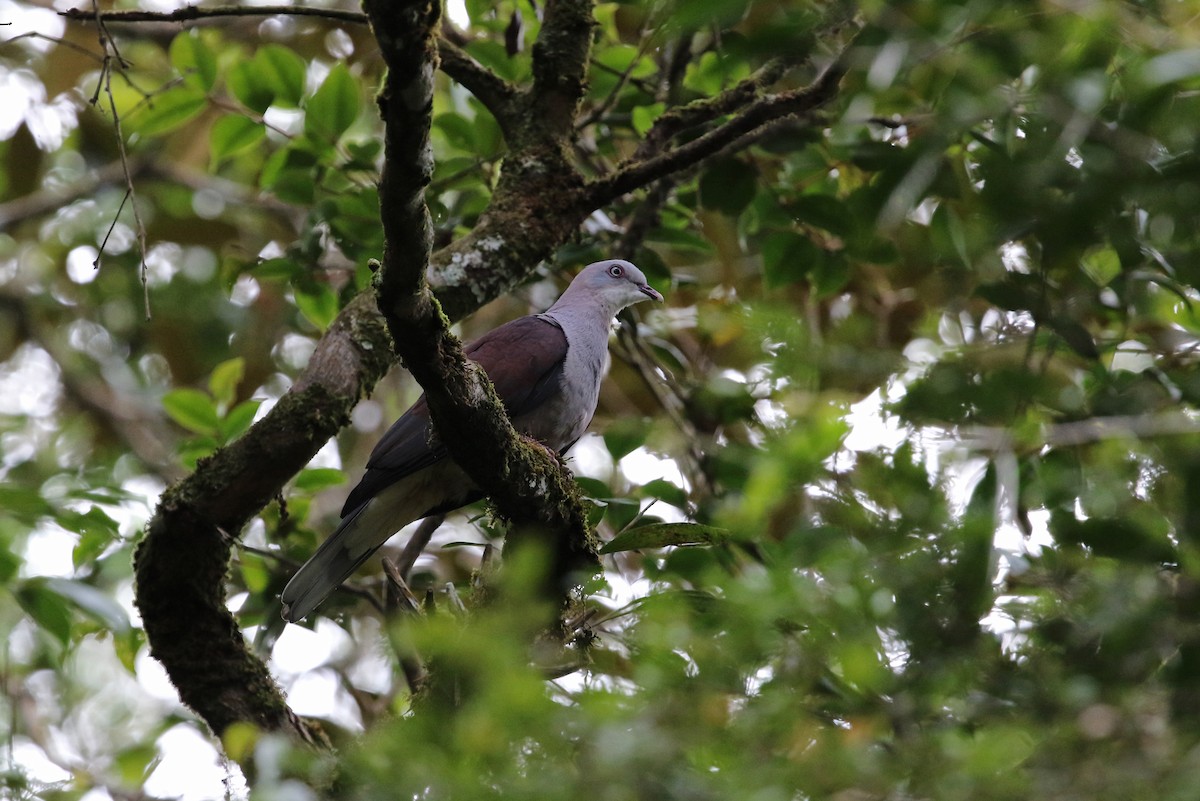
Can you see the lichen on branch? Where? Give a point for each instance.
(537, 205)
(526, 484)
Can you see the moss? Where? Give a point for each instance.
(181, 564)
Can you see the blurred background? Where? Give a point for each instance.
(924, 391)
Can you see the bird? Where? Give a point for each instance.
(546, 369)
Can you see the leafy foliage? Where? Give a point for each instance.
(909, 510)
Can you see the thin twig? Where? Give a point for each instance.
(634, 350)
(599, 111)
(448, 180)
(58, 41)
(346, 588)
(417, 543)
(192, 13)
(111, 227)
(111, 52)
(401, 597)
(492, 90)
(764, 111)
(1080, 432)
(681, 118)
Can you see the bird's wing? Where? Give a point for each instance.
(524, 360)
(404, 449)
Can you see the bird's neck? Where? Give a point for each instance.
(576, 313)
(582, 307)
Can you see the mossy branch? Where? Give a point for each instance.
(528, 486)
(537, 205)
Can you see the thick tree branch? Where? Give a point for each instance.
(181, 563)
(526, 484)
(192, 13)
(680, 118)
(537, 205)
(494, 92)
(560, 59)
(757, 114)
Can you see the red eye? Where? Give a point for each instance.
(615, 271)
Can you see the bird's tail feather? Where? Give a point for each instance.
(333, 563)
(370, 525)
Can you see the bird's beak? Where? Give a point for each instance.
(650, 292)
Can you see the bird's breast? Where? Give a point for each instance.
(566, 415)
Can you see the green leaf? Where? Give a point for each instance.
(225, 378)
(238, 740)
(1102, 264)
(664, 490)
(625, 435)
(363, 155)
(233, 135)
(192, 451)
(92, 543)
(10, 563)
(823, 211)
(458, 130)
(193, 59)
(1076, 336)
(254, 573)
(46, 608)
(621, 512)
(23, 503)
(489, 141)
(644, 116)
(94, 521)
(493, 55)
(1115, 537)
(728, 186)
(168, 111)
(619, 57)
(192, 409)
(949, 234)
(127, 646)
(92, 602)
(874, 156)
(290, 173)
(239, 419)
(661, 535)
(1016, 292)
(318, 305)
(314, 479)
(714, 71)
(284, 71)
(830, 273)
(250, 86)
(680, 239)
(277, 269)
(787, 258)
(334, 106)
(135, 764)
(593, 487)
(295, 186)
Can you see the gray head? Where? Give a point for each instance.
(611, 284)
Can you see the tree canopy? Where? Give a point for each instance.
(897, 497)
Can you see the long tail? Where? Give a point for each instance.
(334, 562)
(440, 487)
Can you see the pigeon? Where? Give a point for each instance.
(546, 369)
